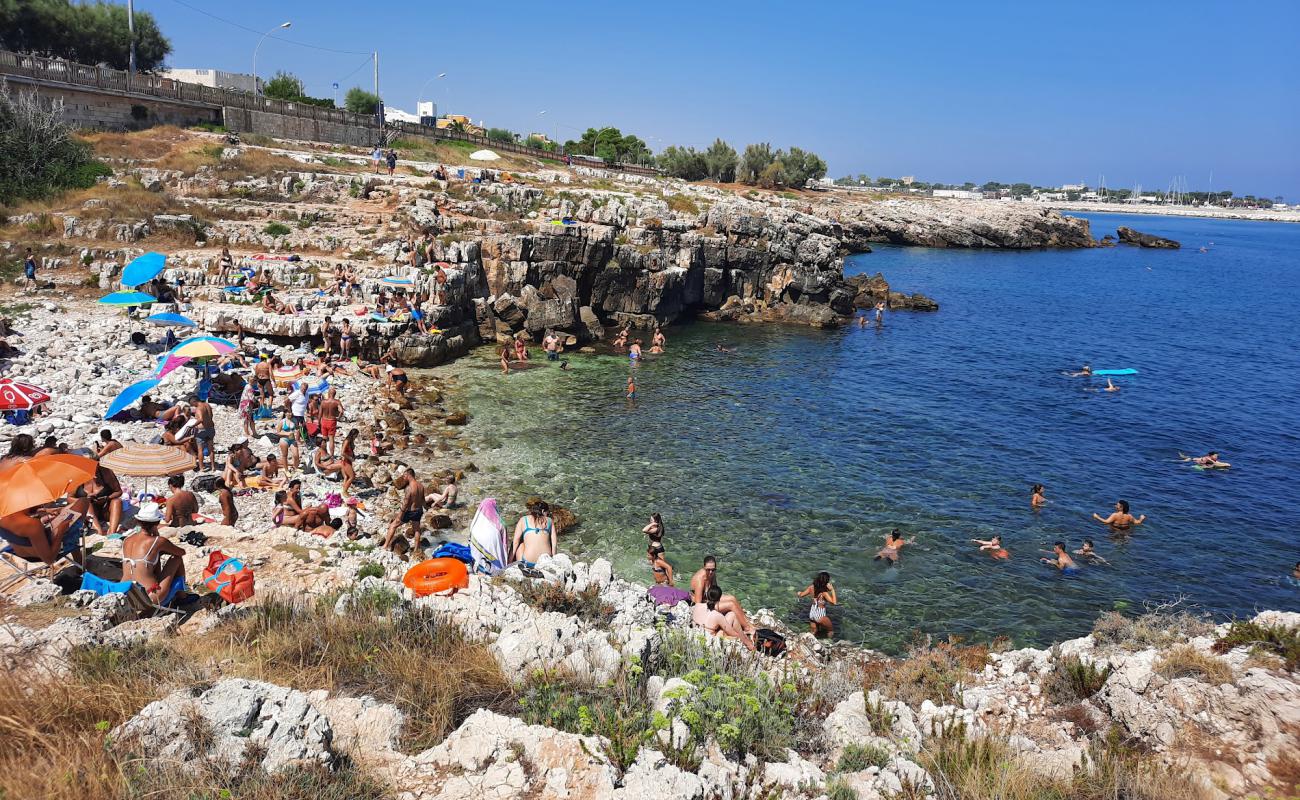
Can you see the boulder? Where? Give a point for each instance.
(1130, 236)
(236, 714)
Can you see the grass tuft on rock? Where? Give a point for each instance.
(1157, 629)
(1186, 661)
(586, 605)
(1073, 679)
(857, 757)
(1276, 640)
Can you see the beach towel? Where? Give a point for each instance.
(454, 550)
(487, 539)
(668, 595)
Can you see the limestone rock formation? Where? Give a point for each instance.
(1130, 236)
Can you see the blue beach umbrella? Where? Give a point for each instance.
(143, 269)
(171, 320)
(128, 299)
(127, 397)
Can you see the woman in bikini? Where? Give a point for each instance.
(142, 558)
(290, 440)
(534, 534)
(663, 571)
(1120, 519)
(347, 455)
(714, 622)
(1036, 496)
(822, 592)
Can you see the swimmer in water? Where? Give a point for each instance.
(1086, 372)
(1111, 387)
(722, 349)
(1036, 498)
(564, 365)
(634, 352)
(1210, 460)
(1295, 573)
(893, 544)
(862, 321)
(1120, 519)
(1087, 553)
(1063, 562)
(994, 546)
(631, 388)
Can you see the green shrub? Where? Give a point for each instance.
(370, 570)
(41, 157)
(617, 712)
(276, 229)
(857, 757)
(1071, 679)
(744, 714)
(837, 789)
(1274, 639)
(1155, 629)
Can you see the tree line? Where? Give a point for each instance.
(90, 33)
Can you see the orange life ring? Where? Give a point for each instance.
(436, 575)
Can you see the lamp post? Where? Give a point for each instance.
(282, 25)
(420, 98)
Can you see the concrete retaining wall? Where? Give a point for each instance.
(281, 126)
(88, 108)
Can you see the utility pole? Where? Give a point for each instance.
(379, 104)
(130, 27)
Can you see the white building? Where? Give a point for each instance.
(217, 79)
(1073, 187)
(959, 194)
(398, 115)
(427, 111)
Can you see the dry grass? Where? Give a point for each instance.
(682, 204)
(986, 768)
(931, 672)
(1159, 628)
(1186, 661)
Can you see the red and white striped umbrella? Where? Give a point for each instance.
(15, 396)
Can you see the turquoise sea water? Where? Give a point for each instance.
(801, 449)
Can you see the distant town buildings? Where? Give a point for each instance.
(216, 78)
(959, 194)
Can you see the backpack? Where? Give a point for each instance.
(228, 577)
(769, 642)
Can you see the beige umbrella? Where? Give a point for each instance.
(148, 460)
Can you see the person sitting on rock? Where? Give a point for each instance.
(446, 498)
(708, 616)
(40, 534)
(106, 444)
(181, 506)
(534, 534)
(143, 554)
(704, 579)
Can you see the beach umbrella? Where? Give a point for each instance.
(167, 364)
(286, 375)
(41, 479)
(171, 320)
(16, 396)
(393, 280)
(484, 155)
(127, 397)
(128, 299)
(201, 346)
(320, 388)
(148, 460)
(143, 269)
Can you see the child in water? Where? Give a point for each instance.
(631, 388)
(1086, 552)
(823, 592)
(994, 546)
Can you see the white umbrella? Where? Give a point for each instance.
(483, 155)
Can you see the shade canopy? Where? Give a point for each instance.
(148, 460)
(143, 268)
(18, 396)
(201, 347)
(128, 299)
(41, 479)
(171, 321)
(484, 155)
(128, 396)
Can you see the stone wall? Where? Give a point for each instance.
(282, 126)
(109, 110)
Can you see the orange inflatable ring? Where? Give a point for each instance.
(436, 575)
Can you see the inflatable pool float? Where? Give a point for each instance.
(1105, 372)
(436, 575)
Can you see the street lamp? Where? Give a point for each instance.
(420, 98)
(282, 25)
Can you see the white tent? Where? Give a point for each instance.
(483, 155)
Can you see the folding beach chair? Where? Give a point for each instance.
(136, 597)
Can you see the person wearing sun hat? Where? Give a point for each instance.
(151, 560)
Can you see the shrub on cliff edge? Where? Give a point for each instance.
(39, 152)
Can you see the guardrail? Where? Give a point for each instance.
(58, 71)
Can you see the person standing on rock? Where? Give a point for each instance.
(298, 404)
(551, 344)
(534, 534)
(880, 313)
(206, 434)
(331, 411)
(411, 512)
(345, 340)
(226, 499)
(290, 433)
(247, 408)
(265, 386)
(29, 272)
(375, 157)
(392, 162)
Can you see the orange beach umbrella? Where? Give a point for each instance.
(41, 479)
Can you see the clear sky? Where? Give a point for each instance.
(1045, 92)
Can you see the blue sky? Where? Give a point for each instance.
(1045, 92)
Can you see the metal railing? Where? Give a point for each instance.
(58, 71)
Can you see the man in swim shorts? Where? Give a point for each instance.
(411, 513)
(262, 379)
(551, 344)
(331, 411)
(1063, 562)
